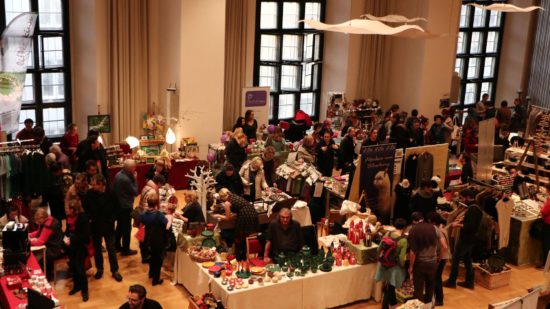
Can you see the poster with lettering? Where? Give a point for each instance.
(257, 100)
(377, 165)
(16, 48)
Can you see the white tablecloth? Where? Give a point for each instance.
(341, 286)
(190, 274)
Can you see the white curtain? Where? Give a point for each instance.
(374, 55)
(127, 32)
(236, 22)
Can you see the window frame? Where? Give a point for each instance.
(38, 105)
(467, 55)
(301, 31)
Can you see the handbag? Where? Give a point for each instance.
(456, 130)
(140, 235)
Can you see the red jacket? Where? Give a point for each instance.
(545, 211)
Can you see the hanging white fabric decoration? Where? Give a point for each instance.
(506, 8)
(394, 18)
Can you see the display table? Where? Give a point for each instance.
(7, 298)
(176, 175)
(522, 248)
(301, 214)
(341, 286)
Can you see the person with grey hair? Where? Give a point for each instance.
(126, 188)
(60, 157)
(283, 235)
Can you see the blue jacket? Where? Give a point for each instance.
(125, 187)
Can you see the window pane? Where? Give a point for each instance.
(286, 106)
(292, 47)
(313, 11)
(461, 45)
(53, 87)
(306, 75)
(291, 14)
(492, 42)
(53, 52)
(267, 77)
(308, 46)
(25, 114)
(464, 13)
(16, 7)
(50, 15)
(306, 103)
(486, 88)
(470, 96)
(28, 90)
(268, 17)
(30, 62)
(495, 19)
(489, 69)
(479, 17)
(458, 66)
(473, 68)
(317, 47)
(315, 77)
(269, 48)
(289, 77)
(271, 103)
(475, 44)
(54, 121)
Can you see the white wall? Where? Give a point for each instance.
(515, 54)
(202, 70)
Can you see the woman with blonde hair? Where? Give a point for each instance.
(49, 233)
(253, 177)
(306, 151)
(192, 211)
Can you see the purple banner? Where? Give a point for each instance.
(377, 163)
(255, 98)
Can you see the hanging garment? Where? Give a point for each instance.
(410, 169)
(402, 198)
(504, 210)
(424, 168)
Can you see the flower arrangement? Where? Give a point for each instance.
(153, 123)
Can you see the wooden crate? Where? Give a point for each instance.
(492, 281)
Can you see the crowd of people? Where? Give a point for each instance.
(98, 212)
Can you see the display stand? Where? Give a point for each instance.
(531, 143)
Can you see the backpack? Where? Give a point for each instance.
(388, 254)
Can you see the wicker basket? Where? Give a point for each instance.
(492, 281)
(201, 259)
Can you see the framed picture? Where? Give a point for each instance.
(151, 150)
(150, 160)
(101, 123)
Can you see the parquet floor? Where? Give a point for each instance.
(107, 293)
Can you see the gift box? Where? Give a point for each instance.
(363, 254)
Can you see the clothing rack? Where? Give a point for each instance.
(18, 141)
(481, 183)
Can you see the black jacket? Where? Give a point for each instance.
(233, 183)
(82, 233)
(325, 159)
(399, 135)
(102, 208)
(424, 203)
(235, 154)
(84, 153)
(347, 152)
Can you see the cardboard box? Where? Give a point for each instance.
(492, 281)
(363, 254)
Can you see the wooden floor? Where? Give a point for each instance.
(107, 293)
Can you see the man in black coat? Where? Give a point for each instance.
(91, 149)
(347, 151)
(463, 251)
(101, 205)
